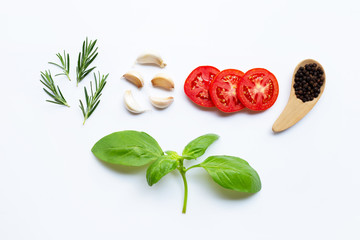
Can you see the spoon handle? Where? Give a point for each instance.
(294, 111)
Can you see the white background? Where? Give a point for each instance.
(52, 187)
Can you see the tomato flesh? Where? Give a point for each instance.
(258, 89)
(223, 90)
(197, 85)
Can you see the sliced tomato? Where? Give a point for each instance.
(223, 90)
(197, 85)
(258, 89)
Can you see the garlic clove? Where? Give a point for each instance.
(151, 58)
(163, 81)
(135, 78)
(161, 102)
(131, 104)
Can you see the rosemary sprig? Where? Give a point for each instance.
(93, 100)
(86, 57)
(53, 91)
(65, 64)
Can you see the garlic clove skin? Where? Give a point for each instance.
(135, 78)
(131, 104)
(163, 81)
(151, 58)
(160, 102)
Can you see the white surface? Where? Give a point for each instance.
(52, 187)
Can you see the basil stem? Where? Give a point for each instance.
(182, 171)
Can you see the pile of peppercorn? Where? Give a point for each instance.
(308, 81)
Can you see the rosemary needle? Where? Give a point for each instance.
(65, 64)
(93, 100)
(86, 57)
(53, 91)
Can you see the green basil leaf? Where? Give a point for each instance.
(160, 168)
(198, 146)
(232, 173)
(130, 148)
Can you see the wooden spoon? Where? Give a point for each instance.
(296, 109)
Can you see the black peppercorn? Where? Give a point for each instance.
(308, 81)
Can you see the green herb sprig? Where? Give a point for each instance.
(93, 100)
(53, 91)
(65, 64)
(86, 57)
(132, 148)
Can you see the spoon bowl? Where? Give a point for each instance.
(296, 109)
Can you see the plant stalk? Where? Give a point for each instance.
(85, 118)
(182, 172)
(194, 166)
(68, 76)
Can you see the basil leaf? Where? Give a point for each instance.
(160, 168)
(232, 173)
(198, 146)
(130, 148)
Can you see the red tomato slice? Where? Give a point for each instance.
(197, 85)
(258, 90)
(223, 90)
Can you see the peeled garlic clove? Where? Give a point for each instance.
(160, 102)
(131, 104)
(163, 81)
(135, 78)
(151, 58)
